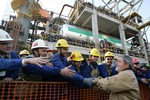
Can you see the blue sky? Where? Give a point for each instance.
(56, 5)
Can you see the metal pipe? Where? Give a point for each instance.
(107, 3)
(131, 7)
(64, 7)
(115, 4)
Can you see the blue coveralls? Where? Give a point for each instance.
(148, 76)
(139, 74)
(11, 64)
(84, 72)
(103, 71)
(45, 71)
(59, 62)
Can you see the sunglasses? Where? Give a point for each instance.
(66, 49)
(136, 63)
(109, 59)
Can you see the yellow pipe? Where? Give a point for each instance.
(143, 25)
(130, 17)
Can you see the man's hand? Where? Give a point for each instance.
(96, 83)
(89, 81)
(49, 64)
(144, 80)
(67, 72)
(7, 80)
(38, 61)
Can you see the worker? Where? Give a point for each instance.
(94, 55)
(124, 85)
(24, 54)
(138, 71)
(9, 60)
(146, 72)
(135, 42)
(33, 72)
(106, 69)
(59, 59)
(82, 71)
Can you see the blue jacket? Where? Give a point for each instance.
(93, 65)
(11, 65)
(148, 74)
(139, 74)
(58, 61)
(103, 71)
(77, 79)
(45, 71)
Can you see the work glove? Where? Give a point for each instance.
(89, 81)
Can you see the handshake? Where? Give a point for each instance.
(91, 81)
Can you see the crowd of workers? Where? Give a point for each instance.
(104, 44)
(114, 74)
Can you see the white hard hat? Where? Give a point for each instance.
(4, 36)
(38, 44)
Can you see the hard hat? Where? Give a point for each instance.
(62, 43)
(24, 52)
(4, 36)
(76, 56)
(38, 44)
(135, 60)
(108, 54)
(94, 52)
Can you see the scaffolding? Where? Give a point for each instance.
(14, 29)
(116, 18)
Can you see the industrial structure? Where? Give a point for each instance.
(113, 26)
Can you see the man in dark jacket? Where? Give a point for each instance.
(82, 71)
(36, 73)
(106, 69)
(9, 60)
(59, 59)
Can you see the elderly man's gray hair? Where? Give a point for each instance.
(127, 60)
